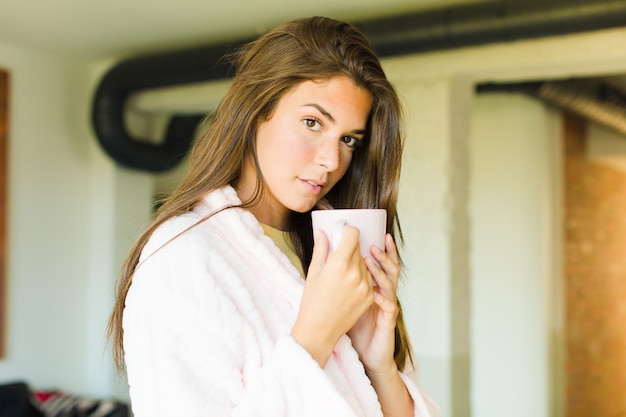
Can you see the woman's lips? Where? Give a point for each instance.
(312, 185)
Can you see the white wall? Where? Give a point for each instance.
(48, 220)
(435, 227)
(515, 146)
(72, 216)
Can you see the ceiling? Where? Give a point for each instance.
(102, 29)
(105, 28)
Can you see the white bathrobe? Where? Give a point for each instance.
(207, 328)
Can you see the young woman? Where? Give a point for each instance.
(229, 304)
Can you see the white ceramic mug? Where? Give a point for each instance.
(372, 225)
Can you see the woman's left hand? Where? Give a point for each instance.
(373, 335)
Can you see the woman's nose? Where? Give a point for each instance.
(328, 154)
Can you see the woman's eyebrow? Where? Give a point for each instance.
(321, 110)
(330, 117)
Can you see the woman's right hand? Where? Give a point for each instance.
(338, 290)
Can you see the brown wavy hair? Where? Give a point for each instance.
(314, 48)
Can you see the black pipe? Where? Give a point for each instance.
(490, 22)
(459, 26)
(133, 75)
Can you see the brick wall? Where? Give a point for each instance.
(595, 274)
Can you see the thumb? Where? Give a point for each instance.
(320, 251)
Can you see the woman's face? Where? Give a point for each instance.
(306, 145)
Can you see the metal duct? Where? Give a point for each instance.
(133, 75)
(594, 99)
(465, 25)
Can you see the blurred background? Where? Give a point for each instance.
(512, 199)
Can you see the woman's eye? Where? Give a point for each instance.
(352, 142)
(312, 124)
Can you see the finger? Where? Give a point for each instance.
(386, 284)
(387, 306)
(349, 243)
(391, 248)
(320, 251)
(387, 263)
